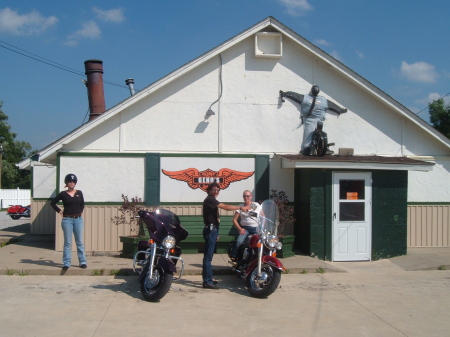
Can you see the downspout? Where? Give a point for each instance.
(402, 143)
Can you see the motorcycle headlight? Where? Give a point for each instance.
(272, 241)
(169, 242)
(279, 246)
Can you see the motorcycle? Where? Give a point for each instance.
(256, 257)
(156, 259)
(18, 211)
(319, 142)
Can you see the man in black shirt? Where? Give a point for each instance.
(211, 219)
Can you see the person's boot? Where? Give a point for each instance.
(306, 151)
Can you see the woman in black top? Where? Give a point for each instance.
(72, 222)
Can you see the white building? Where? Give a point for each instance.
(397, 183)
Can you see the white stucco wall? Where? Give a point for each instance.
(430, 186)
(250, 120)
(44, 180)
(104, 179)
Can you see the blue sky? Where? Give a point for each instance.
(402, 47)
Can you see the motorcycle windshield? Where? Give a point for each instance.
(268, 217)
(161, 223)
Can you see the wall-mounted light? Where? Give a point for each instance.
(210, 112)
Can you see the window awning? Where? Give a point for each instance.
(354, 162)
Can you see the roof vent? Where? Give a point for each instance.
(130, 82)
(345, 151)
(268, 45)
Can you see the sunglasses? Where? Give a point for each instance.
(247, 196)
(215, 190)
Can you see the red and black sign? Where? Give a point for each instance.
(196, 179)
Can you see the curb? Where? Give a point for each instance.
(127, 272)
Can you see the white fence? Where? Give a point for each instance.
(15, 197)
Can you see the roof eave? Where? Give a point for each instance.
(354, 165)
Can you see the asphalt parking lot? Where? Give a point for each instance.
(7, 222)
(390, 302)
(403, 296)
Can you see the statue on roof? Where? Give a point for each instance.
(312, 111)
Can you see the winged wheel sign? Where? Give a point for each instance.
(196, 179)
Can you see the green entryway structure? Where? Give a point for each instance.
(351, 208)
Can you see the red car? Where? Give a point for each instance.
(18, 211)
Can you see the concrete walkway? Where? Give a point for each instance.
(35, 255)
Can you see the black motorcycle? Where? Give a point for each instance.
(156, 259)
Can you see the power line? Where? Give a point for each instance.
(433, 100)
(41, 59)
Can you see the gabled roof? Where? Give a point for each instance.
(48, 153)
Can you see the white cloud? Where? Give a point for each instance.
(433, 96)
(26, 24)
(321, 42)
(419, 72)
(360, 54)
(88, 30)
(336, 55)
(296, 7)
(111, 15)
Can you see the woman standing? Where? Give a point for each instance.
(72, 222)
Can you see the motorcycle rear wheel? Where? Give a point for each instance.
(263, 288)
(15, 217)
(154, 290)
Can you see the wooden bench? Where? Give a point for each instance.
(195, 243)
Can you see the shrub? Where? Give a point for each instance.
(285, 212)
(128, 214)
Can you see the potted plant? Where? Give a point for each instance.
(285, 218)
(128, 215)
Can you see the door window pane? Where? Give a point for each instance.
(351, 211)
(351, 190)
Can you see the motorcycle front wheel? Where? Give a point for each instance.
(157, 287)
(266, 284)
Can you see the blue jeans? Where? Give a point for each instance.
(242, 237)
(210, 237)
(75, 226)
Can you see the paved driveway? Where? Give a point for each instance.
(385, 301)
(7, 222)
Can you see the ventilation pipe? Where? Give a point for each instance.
(130, 82)
(94, 84)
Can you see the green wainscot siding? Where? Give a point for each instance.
(389, 213)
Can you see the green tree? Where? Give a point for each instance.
(13, 152)
(440, 116)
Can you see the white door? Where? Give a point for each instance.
(352, 216)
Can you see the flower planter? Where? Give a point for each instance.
(130, 245)
(288, 246)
